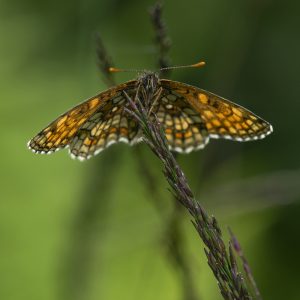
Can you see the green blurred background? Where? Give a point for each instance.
(100, 229)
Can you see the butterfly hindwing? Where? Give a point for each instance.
(184, 129)
(111, 124)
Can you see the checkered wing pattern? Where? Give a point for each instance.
(219, 117)
(184, 129)
(107, 126)
(91, 126)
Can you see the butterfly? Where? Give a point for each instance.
(190, 116)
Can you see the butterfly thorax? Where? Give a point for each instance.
(148, 87)
(149, 81)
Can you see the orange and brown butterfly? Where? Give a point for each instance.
(189, 115)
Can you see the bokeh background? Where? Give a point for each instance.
(101, 229)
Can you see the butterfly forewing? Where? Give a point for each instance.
(222, 118)
(59, 133)
(65, 129)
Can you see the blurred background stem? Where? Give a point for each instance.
(92, 211)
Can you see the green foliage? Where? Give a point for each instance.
(90, 230)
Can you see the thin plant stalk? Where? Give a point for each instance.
(221, 259)
(173, 236)
(247, 270)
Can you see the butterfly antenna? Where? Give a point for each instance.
(197, 65)
(117, 70)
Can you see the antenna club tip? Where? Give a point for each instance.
(199, 64)
(113, 70)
